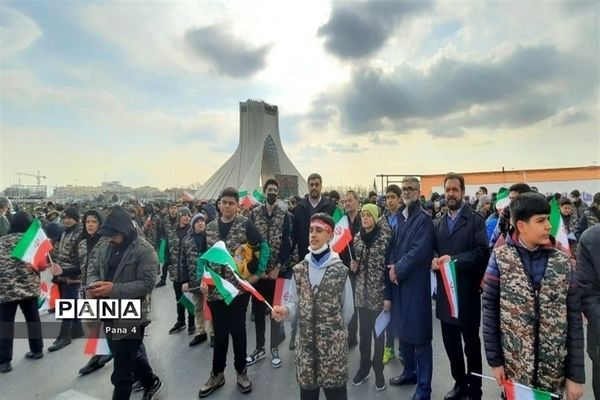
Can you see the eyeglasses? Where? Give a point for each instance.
(409, 189)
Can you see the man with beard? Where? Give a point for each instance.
(461, 237)
(306, 208)
(125, 268)
(409, 262)
(273, 224)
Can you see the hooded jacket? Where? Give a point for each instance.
(135, 274)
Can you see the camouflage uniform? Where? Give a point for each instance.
(271, 229)
(518, 316)
(87, 257)
(17, 282)
(150, 228)
(175, 248)
(236, 237)
(591, 217)
(372, 269)
(191, 254)
(322, 349)
(68, 253)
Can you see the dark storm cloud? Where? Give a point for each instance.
(357, 30)
(229, 55)
(522, 88)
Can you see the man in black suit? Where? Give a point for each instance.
(460, 236)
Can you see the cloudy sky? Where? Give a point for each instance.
(148, 92)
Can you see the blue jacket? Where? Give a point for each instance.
(411, 251)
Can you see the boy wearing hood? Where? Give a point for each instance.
(125, 268)
(321, 298)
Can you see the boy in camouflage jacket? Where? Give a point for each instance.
(532, 324)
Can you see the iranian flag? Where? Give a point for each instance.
(342, 236)
(44, 297)
(247, 286)
(218, 254)
(206, 310)
(207, 278)
(187, 301)
(223, 286)
(502, 200)
(95, 345)
(249, 199)
(283, 287)
(559, 230)
(516, 391)
(162, 251)
(33, 246)
(448, 271)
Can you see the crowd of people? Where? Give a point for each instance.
(509, 275)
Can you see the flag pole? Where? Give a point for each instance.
(50, 258)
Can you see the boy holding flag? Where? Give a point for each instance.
(532, 325)
(229, 313)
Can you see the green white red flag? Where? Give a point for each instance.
(34, 246)
(342, 236)
(187, 301)
(516, 391)
(448, 272)
(502, 200)
(249, 199)
(96, 345)
(283, 288)
(559, 230)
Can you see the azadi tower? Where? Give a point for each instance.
(258, 157)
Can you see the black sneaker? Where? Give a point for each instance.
(5, 367)
(213, 383)
(255, 357)
(191, 329)
(179, 326)
(32, 355)
(137, 386)
(157, 386)
(360, 377)
(59, 344)
(198, 339)
(380, 382)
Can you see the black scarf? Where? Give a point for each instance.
(369, 237)
(200, 241)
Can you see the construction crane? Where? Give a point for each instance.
(38, 177)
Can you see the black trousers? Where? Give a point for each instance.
(593, 349)
(229, 320)
(70, 327)
(353, 325)
(453, 337)
(339, 393)
(34, 327)
(181, 309)
(266, 287)
(130, 364)
(367, 334)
